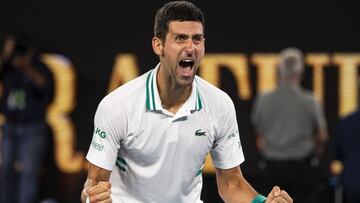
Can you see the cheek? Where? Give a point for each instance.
(170, 53)
(201, 53)
(201, 50)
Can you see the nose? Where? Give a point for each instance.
(189, 47)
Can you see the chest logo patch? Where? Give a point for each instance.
(199, 132)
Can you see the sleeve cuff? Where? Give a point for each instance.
(229, 164)
(101, 164)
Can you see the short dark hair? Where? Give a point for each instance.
(175, 11)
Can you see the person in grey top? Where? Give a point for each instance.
(290, 129)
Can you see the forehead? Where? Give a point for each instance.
(186, 27)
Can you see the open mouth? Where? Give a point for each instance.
(186, 63)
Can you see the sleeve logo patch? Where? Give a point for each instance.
(99, 132)
(97, 146)
(236, 133)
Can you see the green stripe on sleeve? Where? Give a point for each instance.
(121, 167)
(122, 161)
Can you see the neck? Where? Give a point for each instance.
(290, 81)
(172, 95)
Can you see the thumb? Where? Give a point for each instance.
(273, 193)
(276, 191)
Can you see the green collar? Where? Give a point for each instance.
(153, 102)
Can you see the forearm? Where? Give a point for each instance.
(235, 189)
(259, 140)
(321, 139)
(36, 76)
(242, 193)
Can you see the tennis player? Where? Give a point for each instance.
(152, 134)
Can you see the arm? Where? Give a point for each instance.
(233, 188)
(28, 63)
(97, 185)
(35, 75)
(259, 140)
(321, 139)
(320, 129)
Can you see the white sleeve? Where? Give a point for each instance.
(109, 129)
(227, 151)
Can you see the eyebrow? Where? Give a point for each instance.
(186, 35)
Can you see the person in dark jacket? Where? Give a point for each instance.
(347, 151)
(25, 92)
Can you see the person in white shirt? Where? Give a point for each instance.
(152, 134)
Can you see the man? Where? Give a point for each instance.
(26, 89)
(290, 129)
(152, 134)
(347, 153)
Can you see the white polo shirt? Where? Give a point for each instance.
(156, 156)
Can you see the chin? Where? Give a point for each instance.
(186, 82)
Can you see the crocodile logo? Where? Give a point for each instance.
(200, 133)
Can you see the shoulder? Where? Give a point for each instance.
(264, 98)
(212, 96)
(309, 95)
(265, 95)
(126, 95)
(310, 99)
(208, 90)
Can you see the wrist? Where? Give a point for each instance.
(259, 199)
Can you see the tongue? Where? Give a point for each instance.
(185, 70)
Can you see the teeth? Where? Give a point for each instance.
(187, 60)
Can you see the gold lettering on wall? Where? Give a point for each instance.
(318, 61)
(125, 69)
(66, 158)
(266, 71)
(348, 73)
(236, 63)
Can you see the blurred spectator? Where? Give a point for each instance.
(290, 130)
(347, 153)
(26, 90)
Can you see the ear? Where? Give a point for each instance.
(157, 46)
